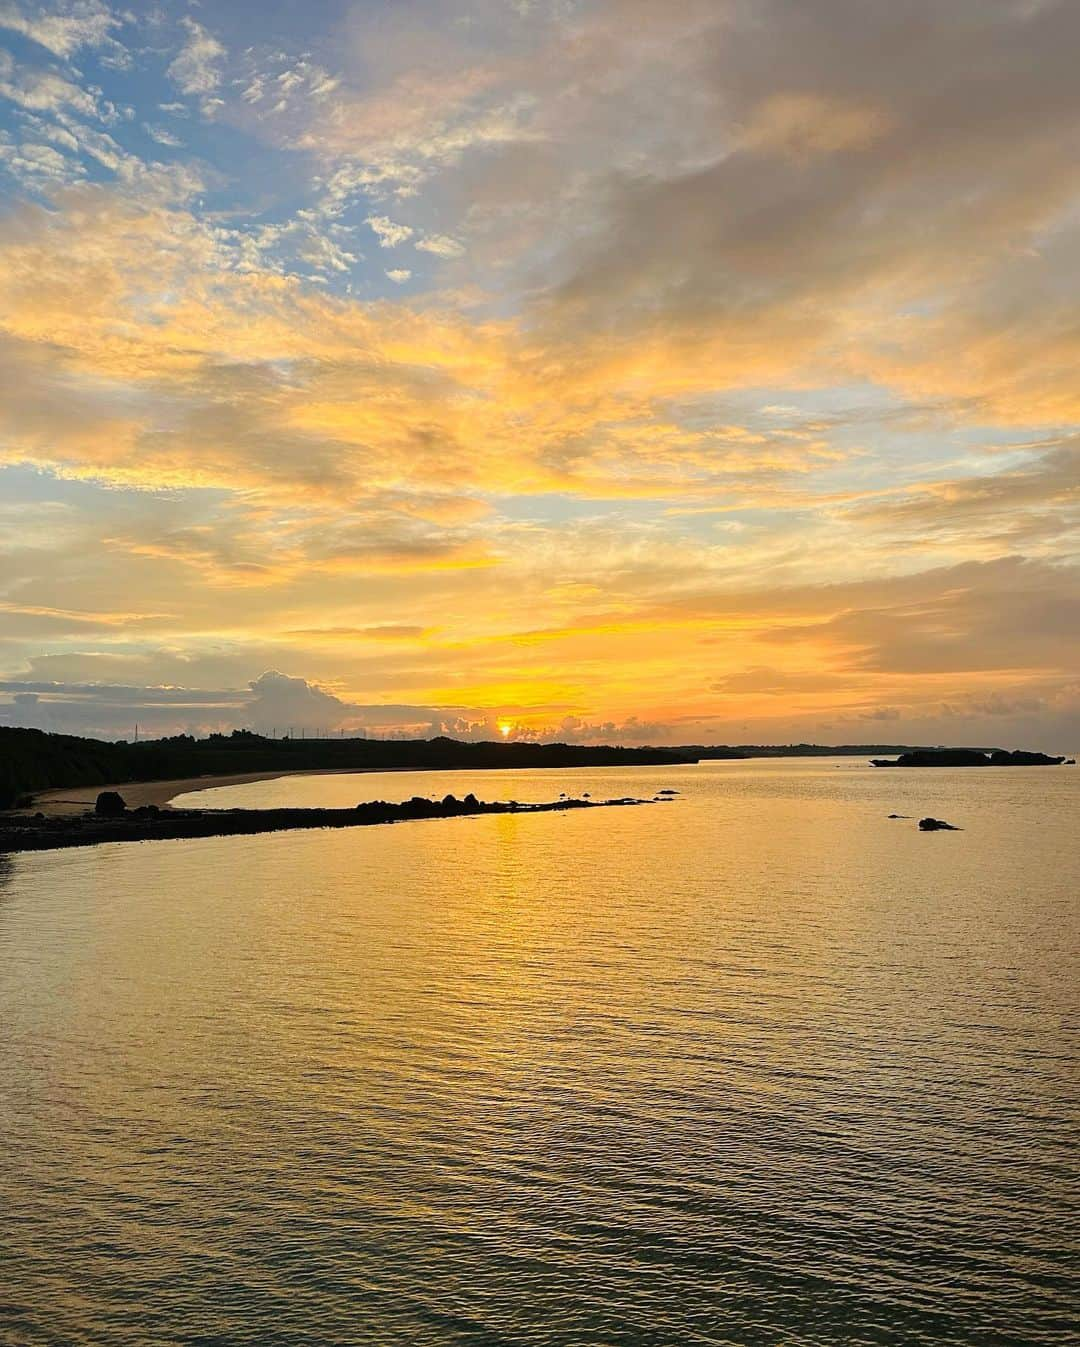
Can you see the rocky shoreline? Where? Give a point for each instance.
(111, 821)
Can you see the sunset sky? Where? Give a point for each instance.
(632, 370)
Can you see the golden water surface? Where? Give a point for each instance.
(759, 1065)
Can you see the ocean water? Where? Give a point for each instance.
(758, 1066)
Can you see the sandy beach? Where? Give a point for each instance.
(78, 799)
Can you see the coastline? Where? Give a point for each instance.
(70, 800)
(40, 833)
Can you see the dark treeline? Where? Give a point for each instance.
(32, 761)
(703, 751)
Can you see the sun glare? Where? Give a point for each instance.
(505, 728)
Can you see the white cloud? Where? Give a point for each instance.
(162, 136)
(389, 233)
(323, 253)
(50, 131)
(294, 89)
(196, 70)
(399, 275)
(35, 164)
(98, 144)
(322, 83)
(79, 23)
(441, 246)
(41, 90)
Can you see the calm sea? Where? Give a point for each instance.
(759, 1066)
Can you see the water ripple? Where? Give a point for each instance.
(761, 1067)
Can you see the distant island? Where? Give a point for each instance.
(969, 757)
(34, 761)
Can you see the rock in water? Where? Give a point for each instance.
(110, 804)
(937, 825)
